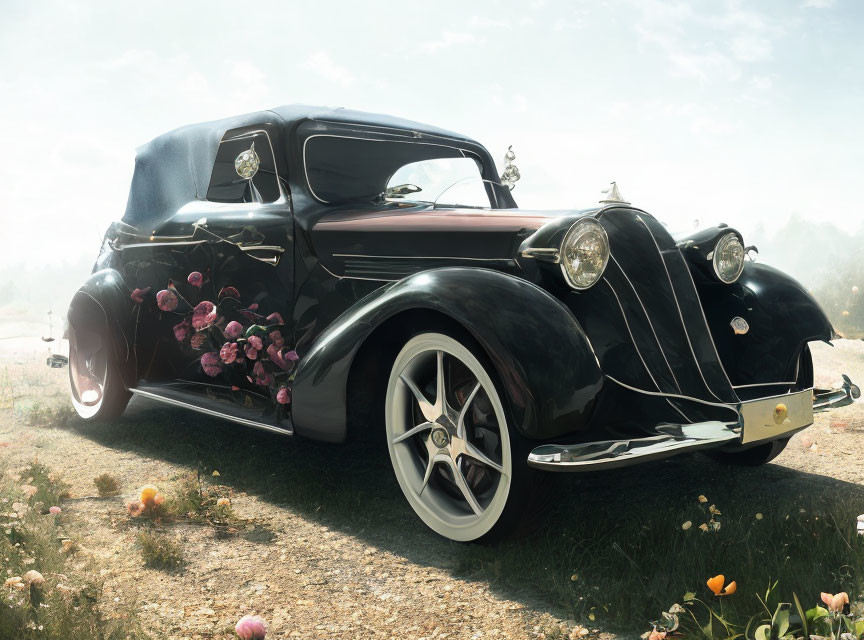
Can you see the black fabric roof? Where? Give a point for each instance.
(174, 168)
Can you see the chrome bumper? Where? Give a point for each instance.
(670, 439)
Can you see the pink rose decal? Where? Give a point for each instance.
(228, 352)
(233, 330)
(198, 340)
(181, 331)
(204, 315)
(166, 300)
(211, 365)
(283, 396)
(262, 378)
(275, 318)
(196, 279)
(276, 339)
(138, 295)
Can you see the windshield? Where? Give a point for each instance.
(458, 180)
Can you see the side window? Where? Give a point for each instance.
(227, 185)
(446, 181)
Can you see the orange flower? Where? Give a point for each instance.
(148, 494)
(835, 603)
(223, 502)
(716, 586)
(158, 499)
(657, 635)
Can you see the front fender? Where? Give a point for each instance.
(782, 317)
(542, 356)
(102, 310)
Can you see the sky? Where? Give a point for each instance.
(716, 111)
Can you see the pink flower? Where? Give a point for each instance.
(195, 279)
(138, 295)
(277, 358)
(211, 365)
(283, 396)
(262, 377)
(291, 356)
(276, 339)
(229, 292)
(204, 315)
(253, 306)
(228, 352)
(275, 318)
(251, 352)
(54, 510)
(233, 330)
(197, 341)
(251, 628)
(836, 603)
(181, 331)
(255, 342)
(135, 508)
(166, 300)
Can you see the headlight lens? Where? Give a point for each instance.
(584, 253)
(729, 258)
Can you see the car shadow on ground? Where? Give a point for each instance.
(351, 488)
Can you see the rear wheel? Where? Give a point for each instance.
(455, 455)
(98, 391)
(765, 453)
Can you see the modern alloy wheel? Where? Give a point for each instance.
(448, 437)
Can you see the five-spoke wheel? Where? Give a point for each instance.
(448, 437)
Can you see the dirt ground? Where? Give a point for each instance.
(308, 578)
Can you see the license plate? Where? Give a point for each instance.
(768, 418)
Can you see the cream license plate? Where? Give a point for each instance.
(768, 418)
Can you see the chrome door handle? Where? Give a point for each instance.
(268, 254)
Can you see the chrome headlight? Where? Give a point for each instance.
(728, 258)
(584, 253)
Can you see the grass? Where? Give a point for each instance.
(68, 606)
(56, 415)
(107, 485)
(160, 550)
(618, 532)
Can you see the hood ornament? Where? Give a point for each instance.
(246, 164)
(511, 174)
(613, 195)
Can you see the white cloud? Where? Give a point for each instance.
(751, 48)
(447, 40)
(322, 64)
(481, 22)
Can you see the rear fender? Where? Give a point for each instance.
(103, 310)
(542, 356)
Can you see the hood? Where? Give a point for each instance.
(393, 243)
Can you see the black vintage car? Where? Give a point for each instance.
(326, 272)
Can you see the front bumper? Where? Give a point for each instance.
(760, 420)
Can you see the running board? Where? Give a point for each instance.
(236, 415)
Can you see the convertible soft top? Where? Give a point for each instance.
(174, 168)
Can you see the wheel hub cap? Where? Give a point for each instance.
(440, 437)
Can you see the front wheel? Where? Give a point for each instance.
(455, 458)
(95, 379)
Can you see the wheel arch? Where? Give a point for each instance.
(548, 370)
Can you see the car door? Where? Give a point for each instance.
(233, 279)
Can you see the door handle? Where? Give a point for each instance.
(268, 254)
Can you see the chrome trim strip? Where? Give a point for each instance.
(360, 255)
(763, 384)
(705, 319)
(338, 277)
(607, 454)
(722, 405)
(648, 317)
(544, 254)
(638, 352)
(680, 313)
(168, 243)
(212, 412)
